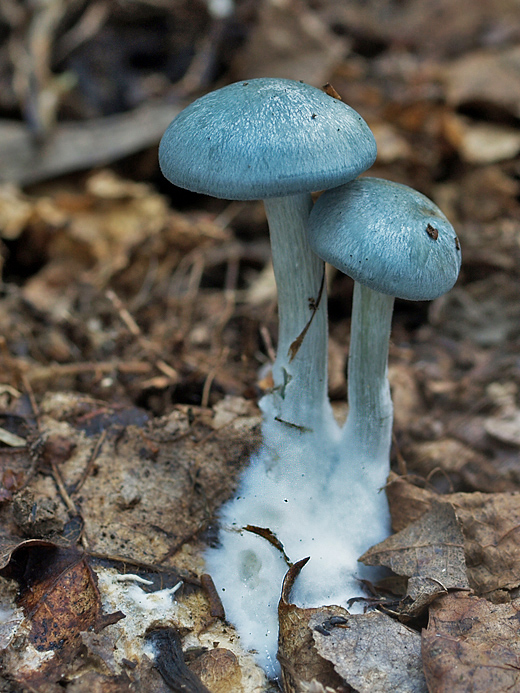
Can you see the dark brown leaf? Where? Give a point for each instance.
(60, 600)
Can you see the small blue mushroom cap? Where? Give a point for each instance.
(388, 237)
(265, 138)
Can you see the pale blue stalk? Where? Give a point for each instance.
(300, 370)
(367, 434)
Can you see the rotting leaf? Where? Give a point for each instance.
(60, 600)
(146, 512)
(95, 682)
(36, 516)
(472, 645)
(300, 662)
(16, 462)
(373, 652)
(430, 552)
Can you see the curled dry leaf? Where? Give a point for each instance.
(471, 645)
(300, 661)
(430, 552)
(373, 652)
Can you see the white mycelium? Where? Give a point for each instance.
(316, 487)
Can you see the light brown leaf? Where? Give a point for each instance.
(472, 645)
(490, 525)
(430, 552)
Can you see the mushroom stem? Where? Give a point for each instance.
(300, 370)
(367, 434)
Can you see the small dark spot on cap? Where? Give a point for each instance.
(244, 84)
(313, 116)
(432, 232)
(457, 243)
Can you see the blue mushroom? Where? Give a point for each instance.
(277, 140)
(394, 242)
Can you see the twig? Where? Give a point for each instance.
(211, 377)
(71, 507)
(143, 342)
(90, 464)
(56, 370)
(32, 398)
(268, 343)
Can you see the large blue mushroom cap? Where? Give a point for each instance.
(388, 237)
(265, 138)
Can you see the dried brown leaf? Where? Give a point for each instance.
(218, 670)
(407, 502)
(471, 645)
(490, 525)
(430, 552)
